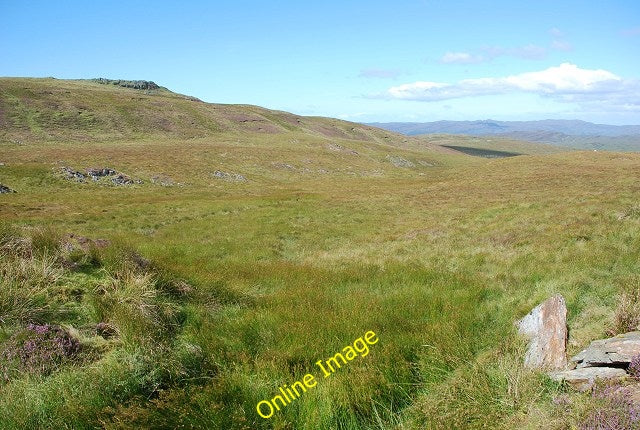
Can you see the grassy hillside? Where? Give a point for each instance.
(215, 290)
(85, 110)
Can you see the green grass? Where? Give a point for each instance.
(252, 282)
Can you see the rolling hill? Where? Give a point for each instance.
(90, 117)
(83, 110)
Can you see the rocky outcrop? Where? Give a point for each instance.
(73, 175)
(616, 351)
(122, 179)
(611, 359)
(546, 328)
(98, 174)
(583, 379)
(6, 190)
(604, 358)
(137, 85)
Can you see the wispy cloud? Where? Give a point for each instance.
(566, 82)
(556, 32)
(559, 42)
(461, 58)
(488, 53)
(526, 52)
(561, 45)
(379, 73)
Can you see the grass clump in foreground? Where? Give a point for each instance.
(82, 330)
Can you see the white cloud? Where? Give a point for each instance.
(566, 82)
(461, 58)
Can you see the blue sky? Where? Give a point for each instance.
(358, 60)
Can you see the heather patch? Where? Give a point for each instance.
(634, 367)
(37, 349)
(615, 409)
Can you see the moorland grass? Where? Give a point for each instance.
(222, 291)
(439, 267)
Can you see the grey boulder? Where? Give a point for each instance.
(584, 378)
(613, 352)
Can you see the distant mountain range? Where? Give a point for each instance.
(570, 133)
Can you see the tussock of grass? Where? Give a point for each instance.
(37, 285)
(627, 315)
(27, 274)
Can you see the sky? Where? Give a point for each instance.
(363, 61)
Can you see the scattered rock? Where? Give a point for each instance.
(546, 328)
(74, 175)
(6, 190)
(425, 163)
(340, 148)
(229, 176)
(163, 180)
(96, 174)
(399, 161)
(616, 351)
(122, 179)
(283, 166)
(583, 379)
